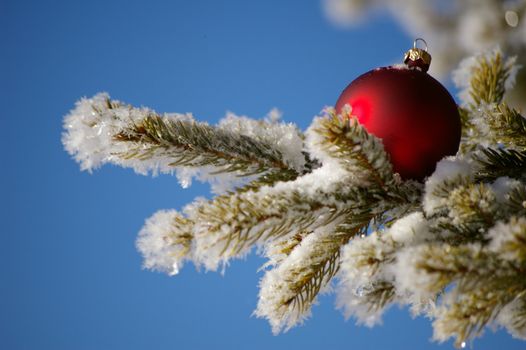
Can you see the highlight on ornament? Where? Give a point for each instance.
(395, 196)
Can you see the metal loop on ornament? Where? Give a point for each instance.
(417, 57)
(422, 40)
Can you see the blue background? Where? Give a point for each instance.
(70, 275)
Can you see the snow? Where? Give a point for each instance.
(90, 128)
(358, 273)
(277, 285)
(354, 307)
(507, 239)
(502, 186)
(409, 278)
(313, 140)
(512, 318)
(156, 243)
(285, 137)
(448, 169)
(89, 135)
(374, 259)
(410, 228)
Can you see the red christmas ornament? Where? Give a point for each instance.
(413, 114)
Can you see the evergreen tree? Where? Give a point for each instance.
(325, 206)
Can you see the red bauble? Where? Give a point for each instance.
(413, 114)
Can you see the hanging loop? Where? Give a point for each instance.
(417, 57)
(417, 40)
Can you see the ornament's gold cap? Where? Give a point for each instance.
(417, 57)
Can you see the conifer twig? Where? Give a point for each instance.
(100, 130)
(501, 162)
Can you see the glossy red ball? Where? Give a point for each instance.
(413, 114)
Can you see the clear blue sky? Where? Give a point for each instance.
(70, 275)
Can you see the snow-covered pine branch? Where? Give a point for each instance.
(288, 290)
(346, 141)
(165, 241)
(100, 130)
(326, 207)
(367, 284)
(230, 225)
(481, 285)
(484, 78)
(499, 162)
(310, 260)
(487, 119)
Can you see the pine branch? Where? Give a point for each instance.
(437, 195)
(508, 127)
(472, 209)
(369, 264)
(516, 201)
(461, 210)
(358, 151)
(165, 241)
(488, 78)
(293, 212)
(289, 290)
(466, 317)
(230, 225)
(508, 241)
(301, 292)
(365, 287)
(398, 200)
(486, 121)
(478, 276)
(279, 249)
(100, 130)
(501, 162)
(465, 121)
(195, 144)
(513, 317)
(437, 265)
(377, 296)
